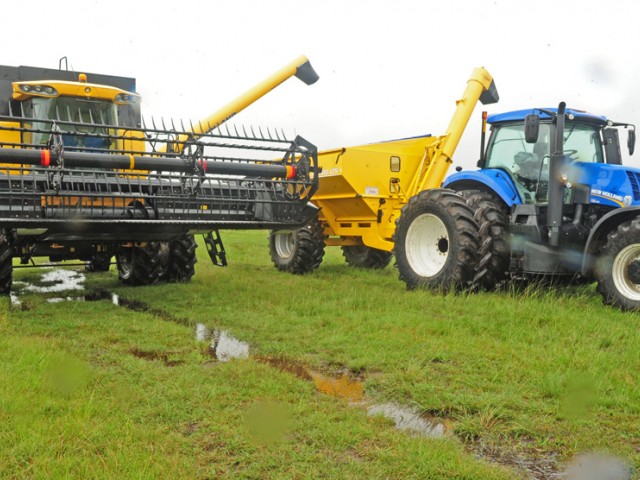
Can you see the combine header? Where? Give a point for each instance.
(83, 177)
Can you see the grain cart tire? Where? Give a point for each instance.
(297, 251)
(143, 264)
(99, 262)
(491, 216)
(182, 259)
(436, 242)
(361, 256)
(618, 269)
(6, 260)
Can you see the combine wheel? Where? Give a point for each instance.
(618, 271)
(143, 264)
(100, 262)
(493, 251)
(361, 256)
(182, 259)
(436, 241)
(298, 251)
(6, 260)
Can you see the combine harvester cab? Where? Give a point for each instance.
(363, 189)
(83, 177)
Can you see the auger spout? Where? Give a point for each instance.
(300, 68)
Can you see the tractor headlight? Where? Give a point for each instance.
(125, 98)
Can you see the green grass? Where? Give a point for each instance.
(539, 372)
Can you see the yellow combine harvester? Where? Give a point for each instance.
(83, 178)
(363, 189)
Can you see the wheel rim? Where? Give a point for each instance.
(285, 244)
(620, 272)
(427, 245)
(124, 260)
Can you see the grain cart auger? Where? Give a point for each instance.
(364, 190)
(552, 200)
(82, 177)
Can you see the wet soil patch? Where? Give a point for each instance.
(155, 356)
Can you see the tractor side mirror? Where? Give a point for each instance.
(531, 128)
(631, 140)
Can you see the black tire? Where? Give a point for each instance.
(297, 251)
(143, 264)
(618, 269)
(7, 238)
(494, 253)
(436, 242)
(182, 259)
(100, 262)
(361, 256)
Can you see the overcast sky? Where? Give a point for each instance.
(388, 69)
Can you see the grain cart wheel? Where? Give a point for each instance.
(618, 270)
(182, 259)
(493, 251)
(6, 260)
(361, 256)
(436, 241)
(99, 262)
(297, 251)
(143, 264)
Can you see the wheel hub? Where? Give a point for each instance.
(633, 272)
(427, 245)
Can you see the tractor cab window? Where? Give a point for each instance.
(83, 121)
(582, 143)
(526, 163)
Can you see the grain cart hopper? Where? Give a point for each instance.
(82, 177)
(363, 189)
(551, 199)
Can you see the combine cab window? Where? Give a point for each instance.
(87, 117)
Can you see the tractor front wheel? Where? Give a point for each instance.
(142, 264)
(618, 270)
(361, 256)
(297, 251)
(436, 241)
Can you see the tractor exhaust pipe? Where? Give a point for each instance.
(556, 185)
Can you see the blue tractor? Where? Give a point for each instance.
(551, 199)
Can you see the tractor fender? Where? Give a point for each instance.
(600, 231)
(491, 180)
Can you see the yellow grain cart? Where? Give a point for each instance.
(363, 189)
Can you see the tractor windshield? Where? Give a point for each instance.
(528, 163)
(84, 121)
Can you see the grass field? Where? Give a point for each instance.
(519, 379)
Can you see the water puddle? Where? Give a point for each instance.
(412, 421)
(222, 346)
(55, 281)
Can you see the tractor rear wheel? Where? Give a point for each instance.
(182, 259)
(142, 264)
(618, 270)
(436, 241)
(361, 256)
(297, 251)
(493, 251)
(6, 260)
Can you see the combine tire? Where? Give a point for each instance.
(493, 251)
(436, 242)
(618, 271)
(361, 256)
(6, 261)
(182, 259)
(143, 264)
(297, 251)
(100, 262)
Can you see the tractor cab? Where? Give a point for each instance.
(521, 146)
